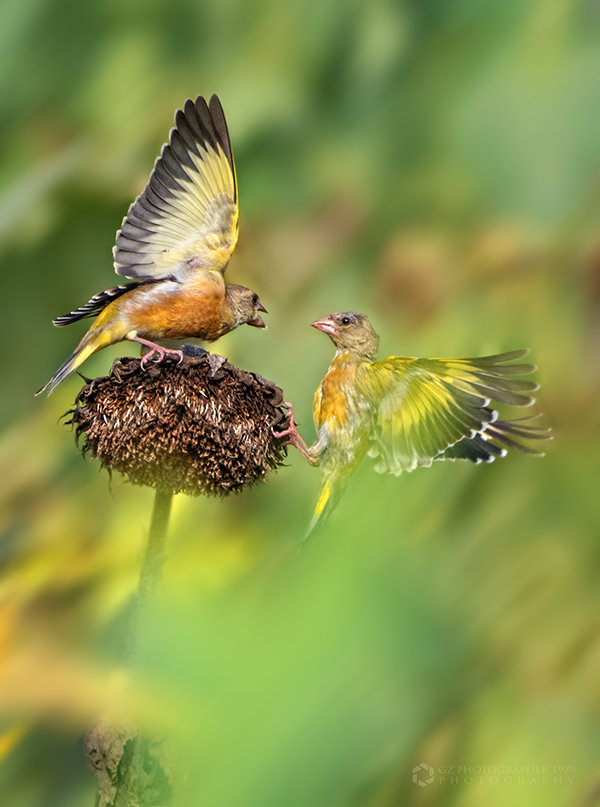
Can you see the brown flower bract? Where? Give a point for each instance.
(201, 426)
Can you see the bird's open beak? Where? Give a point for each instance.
(256, 321)
(327, 325)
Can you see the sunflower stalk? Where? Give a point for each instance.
(130, 767)
(141, 777)
(152, 562)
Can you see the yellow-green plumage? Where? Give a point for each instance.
(408, 412)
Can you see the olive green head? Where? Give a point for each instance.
(350, 331)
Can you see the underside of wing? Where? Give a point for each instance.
(186, 218)
(428, 409)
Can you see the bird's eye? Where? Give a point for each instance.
(345, 320)
(254, 299)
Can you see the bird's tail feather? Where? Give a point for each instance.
(322, 507)
(88, 345)
(331, 491)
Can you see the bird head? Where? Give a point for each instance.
(245, 305)
(350, 332)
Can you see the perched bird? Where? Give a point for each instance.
(408, 412)
(176, 241)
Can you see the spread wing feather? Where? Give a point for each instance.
(431, 409)
(497, 438)
(186, 218)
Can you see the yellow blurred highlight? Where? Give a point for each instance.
(39, 680)
(11, 738)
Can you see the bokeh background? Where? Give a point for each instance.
(435, 164)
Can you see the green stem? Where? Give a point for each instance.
(154, 556)
(151, 569)
(135, 768)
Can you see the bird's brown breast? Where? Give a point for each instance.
(334, 403)
(177, 312)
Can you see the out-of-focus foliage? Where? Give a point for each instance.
(435, 164)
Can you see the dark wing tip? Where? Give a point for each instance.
(189, 102)
(215, 106)
(219, 122)
(207, 122)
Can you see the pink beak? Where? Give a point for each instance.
(326, 325)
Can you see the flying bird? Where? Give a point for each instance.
(175, 242)
(408, 412)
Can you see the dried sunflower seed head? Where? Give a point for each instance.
(202, 426)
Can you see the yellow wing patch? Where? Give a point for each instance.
(187, 216)
(422, 407)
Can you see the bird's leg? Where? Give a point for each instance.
(154, 348)
(295, 438)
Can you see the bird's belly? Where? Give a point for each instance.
(181, 314)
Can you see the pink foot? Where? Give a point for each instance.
(294, 437)
(291, 429)
(156, 349)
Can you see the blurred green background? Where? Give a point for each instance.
(435, 164)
